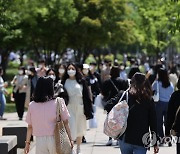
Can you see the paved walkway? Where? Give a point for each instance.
(96, 140)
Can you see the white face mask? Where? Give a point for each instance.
(91, 67)
(40, 66)
(52, 77)
(61, 70)
(20, 72)
(85, 71)
(71, 73)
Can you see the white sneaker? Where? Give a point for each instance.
(109, 143)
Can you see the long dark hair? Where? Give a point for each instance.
(163, 77)
(44, 90)
(78, 75)
(132, 71)
(23, 69)
(140, 87)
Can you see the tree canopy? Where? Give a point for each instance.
(87, 25)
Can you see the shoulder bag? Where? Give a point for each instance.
(63, 144)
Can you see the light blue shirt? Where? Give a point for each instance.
(164, 93)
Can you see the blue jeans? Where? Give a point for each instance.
(127, 148)
(2, 103)
(161, 112)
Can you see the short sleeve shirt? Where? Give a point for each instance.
(42, 117)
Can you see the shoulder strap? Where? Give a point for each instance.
(114, 85)
(58, 109)
(125, 92)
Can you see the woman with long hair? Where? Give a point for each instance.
(41, 117)
(79, 104)
(111, 88)
(142, 117)
(165, 88)
(174, 105)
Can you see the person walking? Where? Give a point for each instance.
(142, 117)
(60, 73)
(20, 83)
(79, 105)
(111, 88)
(3, 85)
(173, 106)
(165, 88)
(32, 81)
(41, 70)
(41, 124)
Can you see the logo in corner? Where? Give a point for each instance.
(149, 139)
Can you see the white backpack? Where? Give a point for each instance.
(116, 121)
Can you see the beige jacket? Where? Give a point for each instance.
(20, 83)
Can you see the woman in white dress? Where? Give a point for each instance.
(79, 104)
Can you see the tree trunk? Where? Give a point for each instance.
(21, 57)
(5, 54)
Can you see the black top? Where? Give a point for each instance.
(94, 81)
(109, 91)
(174, 103)
(142, 116)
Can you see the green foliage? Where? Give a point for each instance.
(10, 107)
(85, 25)
(90, 59)
(154, 20)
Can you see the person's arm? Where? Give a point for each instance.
(90, 93)
(13, 82)
(170, 115)
(66, 124)
(28, 137)
(153, 125)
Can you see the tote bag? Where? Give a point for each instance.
(63, 144)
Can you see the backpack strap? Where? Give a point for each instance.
(114, 85)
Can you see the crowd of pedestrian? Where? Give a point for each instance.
(80, 84)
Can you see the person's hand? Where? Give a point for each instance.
(156, 149)
(5, 84)
(26, 149)
(6, 92)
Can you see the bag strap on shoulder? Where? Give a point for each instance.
(127, 97)
(58, 109)
(114, 85)
(124, 93)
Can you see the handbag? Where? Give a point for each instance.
(173, 130)
(116, 121)
(156, 95)
(93, 122)
(63, 144)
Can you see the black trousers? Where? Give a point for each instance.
(20, 101)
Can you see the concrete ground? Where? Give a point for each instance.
(96, 140)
